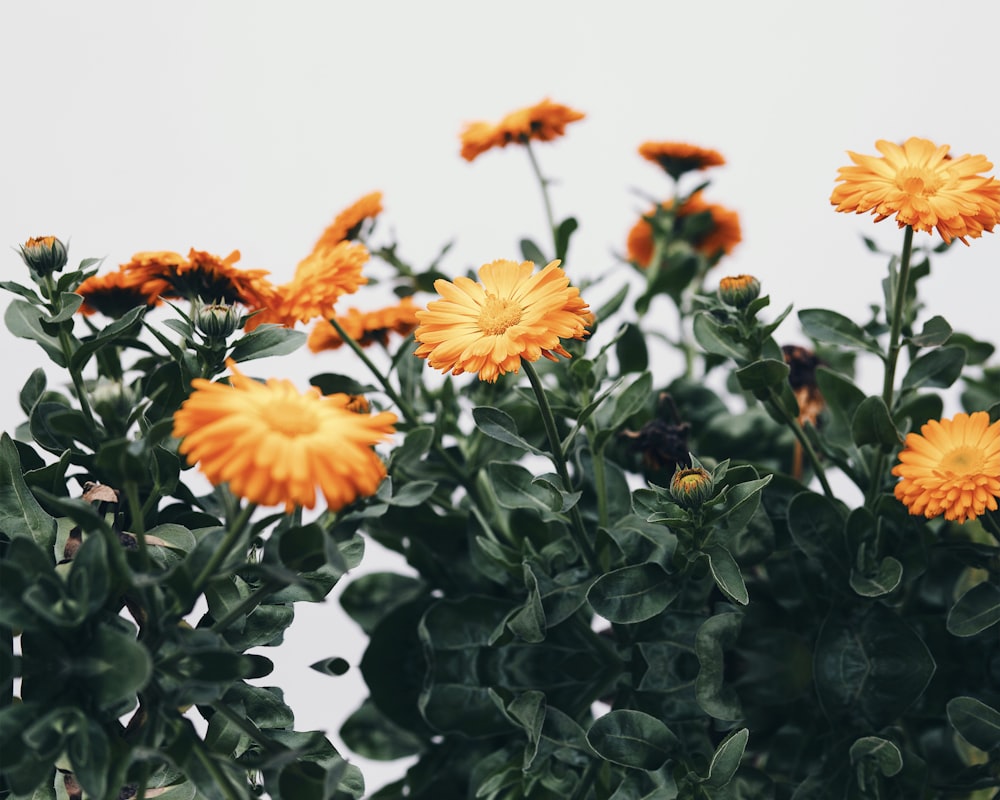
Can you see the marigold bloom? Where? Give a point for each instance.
(951, 467)
(366, 327)
(542, 122)
(273, 445)
(116, 293)
(488, 327)
(677, 158)
(718, 238)
(924, 187)
(347, 224)
(321, 278)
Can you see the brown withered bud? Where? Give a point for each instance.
(663, 444)
(99, 492)
(73, 789)
(73, 542)
(802, 365)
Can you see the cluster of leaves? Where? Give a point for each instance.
(105, 554)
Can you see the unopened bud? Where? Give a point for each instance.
(739, 291)
(44, 255)
(691, 487)
(217, 321)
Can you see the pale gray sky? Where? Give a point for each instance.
(247, 125)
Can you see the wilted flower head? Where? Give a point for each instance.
(44, 254)
(542, 122)
(118, 292)
(924, 187)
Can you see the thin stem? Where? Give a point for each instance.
(897, 318)
(543, 182)
(222, 552)
(66, 346)
(559, 459)
(803, 440)
(138, 525)
(600, 487)
(252, 600)
(249, 728)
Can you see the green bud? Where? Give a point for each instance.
(691, 486)
(44, 255)
(217, 321)
(739, 291)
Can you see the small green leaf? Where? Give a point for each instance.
(516, 488)
(726, 759)
(978, 723)
(634, 593)
(633, 739)
(829, 326)
(630, 347)
(499, 425)
(883, 752)
(816, 524)
(330, 383)
(631, 400)
(726, 573)
(127, 325)
(881, 582)
(563, 233)
(873, 425)
(761, 375)
(936, 332)
(20, 513)
(532, 252)
(976, 610)
(267, 340)
(717, 338)
(941, 367)
(412, 493)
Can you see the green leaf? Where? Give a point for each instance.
(412, 493)
(267, 340)
(416, 444)
(726, 573)
(25, 321)
(882, 581)
(528, 621)
(816, 524)
(761, 375)
(370, 734)
(20, 513)
(842, 398)
(613, 304)
(936, 332)
(117, 667)
(563, 233)
(499, 425)
(632, 399)
(941, 367)
(369, 598)
(532, 252)
(330, 383)
(33, 389)
(630, 347)
(633, 739)
(726, 759)
(516, 488)
(717, 338)
(881, 751)
(978, 723)
(716, 634)
(634, 593)
(125, 326)
(873, 425)
(68, 304)
(829, 326)
(976, 610)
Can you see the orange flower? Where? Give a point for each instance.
(542, 122)
(718, 237)
(118, 292)
(347, 224)
(951, 467)
(489, 327)
(321, 278)
(366, 327)
(273, 445)
(676, 158)
(924, 187)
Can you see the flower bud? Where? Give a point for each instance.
(691, 487)
(739, 291)
(217, 321)
(44, 255)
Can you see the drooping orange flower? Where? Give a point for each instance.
(951, 467)
(118, 292)
(924, 187)
(677, 158)
(541, 122)
(321, 278)
(514, 313)
(347, 223)
(366, 327)
(718, 237)
(274, 445)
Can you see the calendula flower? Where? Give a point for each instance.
(711, 229)
(951, 467)
(541, 122)
(321, 278)
(677, 158)
(347, 224)
(116, 293)
(924, 187)
(366, 327)
(274, 445)
(514, 313)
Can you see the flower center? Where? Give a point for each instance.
(919, 181)
(963, 461)
(289, 419)
(498, 315)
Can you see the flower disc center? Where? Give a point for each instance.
(290, 419)
(498, 315)
(918, 181)
(963, 461)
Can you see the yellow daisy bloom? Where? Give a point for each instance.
(542, 122)
(347, 223)
(118, 292)
(488, 327)
(676, 158)
(951, 467)
(273, 445)
(924, 187)
(718, 239)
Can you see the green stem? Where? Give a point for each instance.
(251, 601)
(138, 525)
(543, 182)
(66, 346)
(577, 528)
(222, 552)
(803, 440)
(249, 728)
(600, 486)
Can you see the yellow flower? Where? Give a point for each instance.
(543, 122)
(274, 445)
(717, 238)
(951, 467)
(676, 158)
(924, 187)
(116, 293)
(321, 278)
(347, 224)
(366, 327)
(489, 327)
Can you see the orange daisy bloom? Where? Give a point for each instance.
(347, 224)
(677, 158)
(274, 445)
(717, 238)
(116, 293)
(321, 278)
(542, 122)
(924, 187)
(488, 327)
(366, 327)
(951, 467)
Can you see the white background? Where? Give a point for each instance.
(247, 125)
